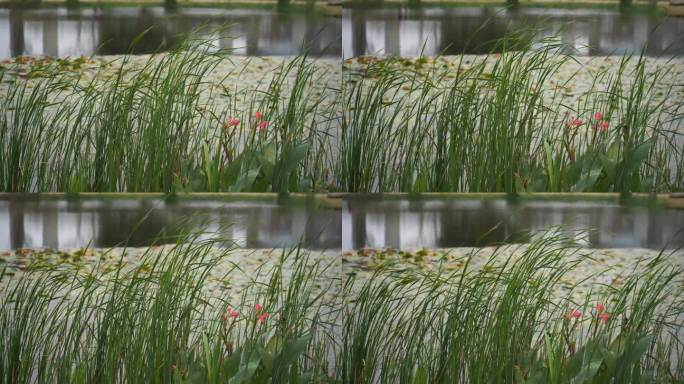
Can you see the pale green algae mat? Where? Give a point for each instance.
(596, 269)
(223, 85)
(575, 77)
(231, 84)
(237, 270)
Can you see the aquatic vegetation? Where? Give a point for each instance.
(509, 123)
(153, 127)
(512, 320)
(158, 325)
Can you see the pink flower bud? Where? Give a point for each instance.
(262, 126)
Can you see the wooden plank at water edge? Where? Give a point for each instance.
(675, 8)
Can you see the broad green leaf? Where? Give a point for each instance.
(294, 349)
(420, 376)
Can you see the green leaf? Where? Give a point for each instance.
(295, 156)
(267, 160)
(246, 372)
(632, 164)
(638, 156)
(210, 169)
(589, 176)
(267, 358)
(637, 350)
(420, 376)
(291, 159)
(294, 349)
(232, 363)
(551, 170)
(613, 151)
(244, 183)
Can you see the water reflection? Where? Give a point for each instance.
(60, 31)
(36, 223)
(416, 223)
(408, 31)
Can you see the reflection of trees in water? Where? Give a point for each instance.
(358, 212)
(16, 218)
(169, 30)
(473, 227)
(117, 33)
(475, 30)
(359, 42)
(105, 223)
(492, 223)
(155, 28)
(140, 225)
(16, 21)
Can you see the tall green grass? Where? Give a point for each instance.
(154, 127)
(502, 323)
(505, 125)
(504, 320)
(502, 124)
(154, 321)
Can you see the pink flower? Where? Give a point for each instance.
(575, 122)
(258, 115)
(229, 313)
(231, 122)
(575, 314)
(598, 116)
(603, 126)
(600, 308)
(262, 126)
(604, 317)
(258, 307)
(263, 317)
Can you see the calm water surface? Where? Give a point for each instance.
(432, 30)
(435, 223)
(70, 223)
(406, 223)
(61, 31)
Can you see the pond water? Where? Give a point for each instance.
(432, 30)
(364, 221)
(29, 221)
(253, 31)
(441, 223)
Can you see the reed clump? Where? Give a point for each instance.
(508, 122)
(500, 123)
(502, 323)
(153, 127)
(154, 321)
(512, 319)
